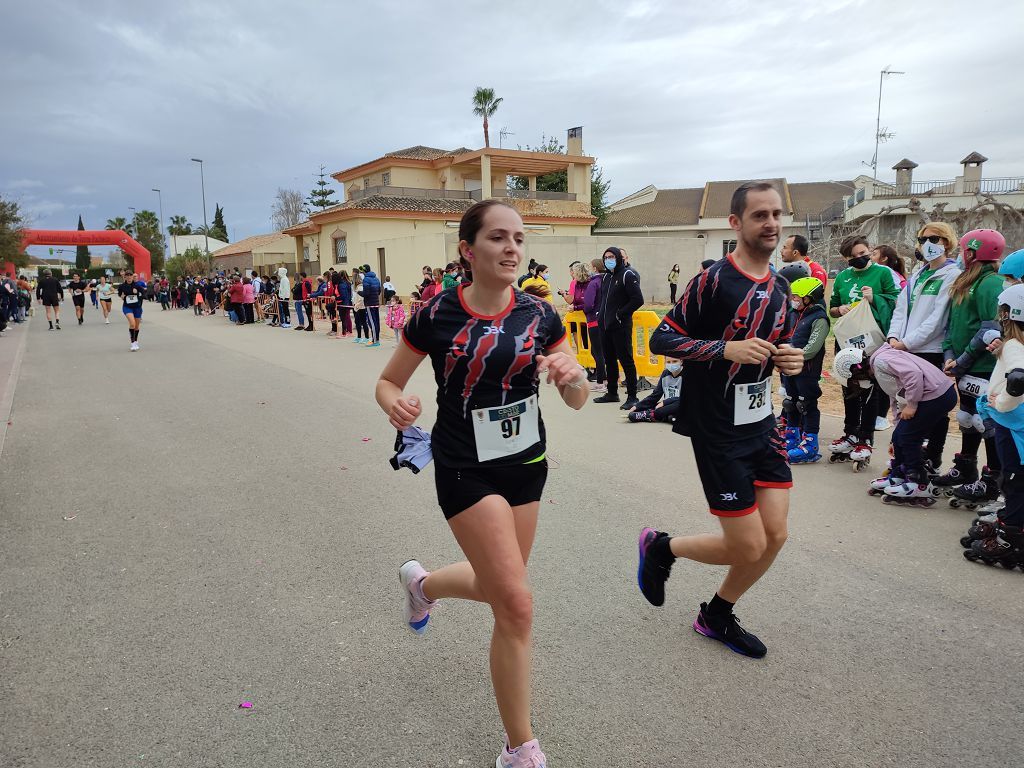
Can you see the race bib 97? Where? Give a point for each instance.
(507, 429)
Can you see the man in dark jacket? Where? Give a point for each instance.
(50, 293)
(620, 298)
(371, 298)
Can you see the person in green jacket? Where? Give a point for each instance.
(973, 307)
(862, 280)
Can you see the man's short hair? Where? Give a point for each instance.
(800, 244)
(738, 204)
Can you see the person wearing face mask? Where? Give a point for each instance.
(620, 298)
(862, 280)
(800, 405)
(663, 402)
(974, 308)
(538, 281)
(921, 313)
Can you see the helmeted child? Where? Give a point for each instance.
(999, 538)
(663, 402)
(800, 401)
(923, 397)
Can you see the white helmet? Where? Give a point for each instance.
(845, 360)
(1013, 297)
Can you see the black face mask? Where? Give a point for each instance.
(859, 262)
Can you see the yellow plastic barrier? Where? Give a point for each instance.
(647, 364)
(579, 339)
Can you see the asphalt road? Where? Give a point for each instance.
(204, 522)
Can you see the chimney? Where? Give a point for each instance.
(972, 172)
(904, 175)
(574, 145)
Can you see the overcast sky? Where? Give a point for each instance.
(107, 99)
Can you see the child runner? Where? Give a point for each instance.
(105, 292)
(78, 287)
(729, 330)
(924, 397)
(131, 291)
(487, 343)
(395, 319)
(810, 329)
(999, 537)
(663, 403)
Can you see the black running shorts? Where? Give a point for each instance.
(460, 489)
(50, 302)
(730, 472)
(78, 301)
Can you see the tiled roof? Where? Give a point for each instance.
(718, 195)
(420, 152)
(670, 207)
(454, 207)
(905, 165)
(247, 245)
(974, 157)
(813, 197)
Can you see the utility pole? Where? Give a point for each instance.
(881, 135)
(206, 227)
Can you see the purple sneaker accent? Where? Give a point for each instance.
(415, 607)
(526, 756)
(731, 634)
(651, 576)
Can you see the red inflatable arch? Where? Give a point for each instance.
(91, 237)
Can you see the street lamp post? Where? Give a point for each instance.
(163, 235)
(878, 120)
(206, 227)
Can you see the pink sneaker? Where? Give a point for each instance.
(415, 606)
(526, 756)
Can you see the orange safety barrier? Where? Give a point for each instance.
(647, 364)
(579, 339)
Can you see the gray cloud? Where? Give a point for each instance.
(113, 98)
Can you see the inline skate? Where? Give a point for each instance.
(915, 491)
(852, 449)
(983, 527)
(806, 452)
(891, 477)
(1005, 548)
(977, 494)
(964, 470)
(792, 436)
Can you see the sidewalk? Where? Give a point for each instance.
(12, 349)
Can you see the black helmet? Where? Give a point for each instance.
(793, 272)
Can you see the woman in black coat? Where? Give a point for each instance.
(620, 298)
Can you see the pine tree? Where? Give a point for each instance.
(218, 230)
(82, 258)
(323, 195)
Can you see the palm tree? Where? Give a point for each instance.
(179, 226)
(485, 105)
(120, 223)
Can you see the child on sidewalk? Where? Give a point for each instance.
(395, 318)
(923, 398)
(663, 403)
(800, 402)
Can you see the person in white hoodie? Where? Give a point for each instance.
(921, 314)
(284, 293)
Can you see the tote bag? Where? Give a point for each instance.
(857, 328)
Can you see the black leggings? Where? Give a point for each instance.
(362, 329)
(619, 351)
(597, 351)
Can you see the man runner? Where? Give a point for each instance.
(730, 329)
(51, 294)
(78, 287)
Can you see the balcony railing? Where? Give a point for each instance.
(995, 186)
(446, 194)
(943, 187)
(524, 194)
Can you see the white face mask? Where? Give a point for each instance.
(797, 304)
(933, 250)
(673, 368)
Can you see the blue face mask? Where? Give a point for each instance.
(673, 367)
(609, 264)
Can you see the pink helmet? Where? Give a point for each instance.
(987, 245)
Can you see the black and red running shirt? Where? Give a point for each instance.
(722, 304)
(481, 362)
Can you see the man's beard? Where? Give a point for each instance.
(757, 246)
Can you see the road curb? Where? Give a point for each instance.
(7, 398)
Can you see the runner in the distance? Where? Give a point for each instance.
(730, 329)
(132, 290)
(78, 287)
(51, 294)
(488, 344)
(105, 294)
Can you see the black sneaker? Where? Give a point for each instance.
(631, 402)
(607, 397)
(652, 573)
(726, 629)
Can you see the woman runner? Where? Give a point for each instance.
(105, 292)
(488, 343)
(132, 291)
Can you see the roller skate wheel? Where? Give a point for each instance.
(965, 542)
(938, 493)
(954, 502)
(834, 458)
(859, 465)
(969, 555)
(875, 492)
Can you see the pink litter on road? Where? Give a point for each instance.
(367, 439)
(245, 705)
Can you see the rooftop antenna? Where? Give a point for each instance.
(502, 134)
(881, 134)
